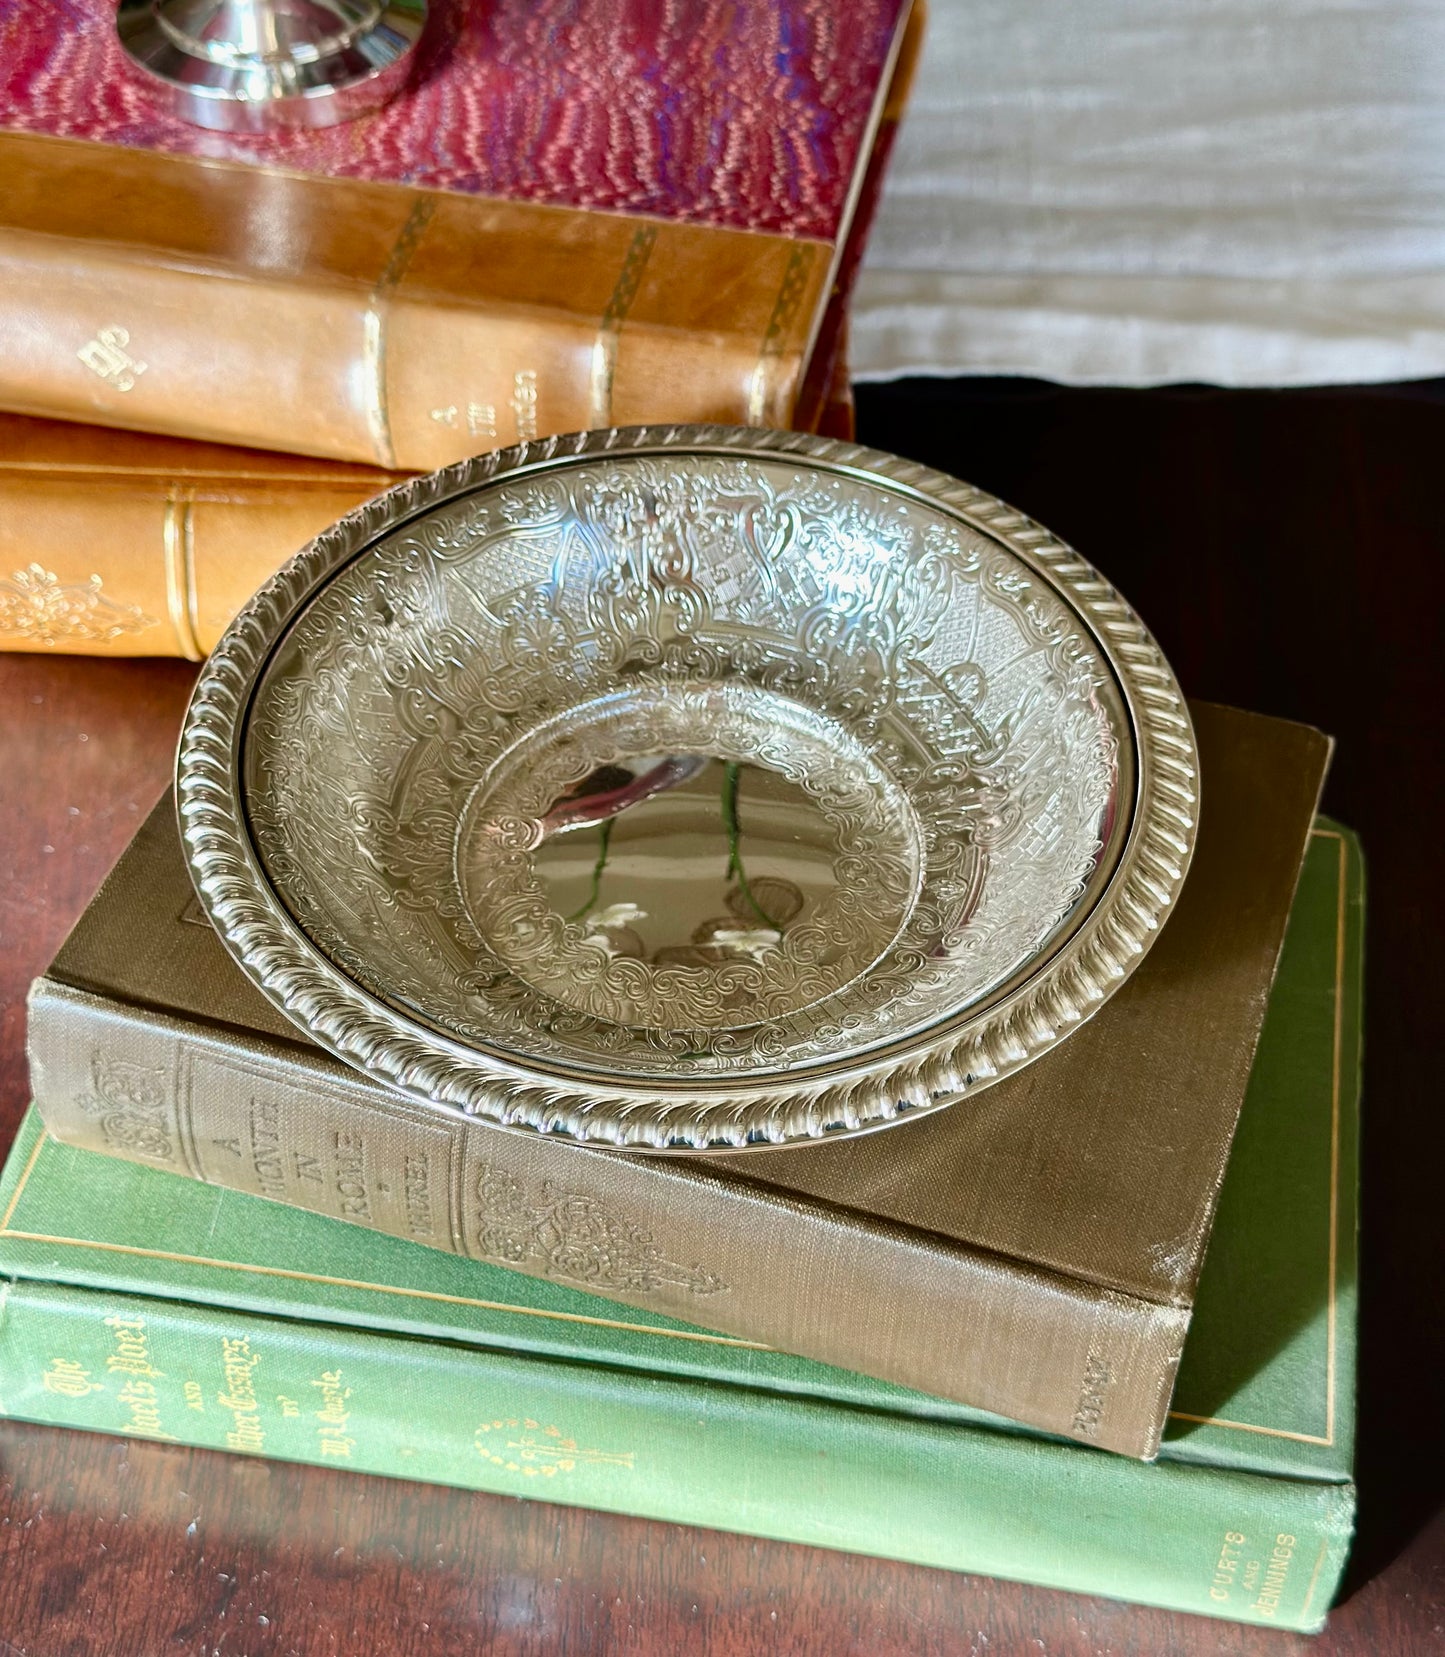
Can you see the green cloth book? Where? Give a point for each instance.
(139, 1303)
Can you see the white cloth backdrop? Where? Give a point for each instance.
(1133, 192)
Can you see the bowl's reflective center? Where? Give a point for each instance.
(682, 859)
(700, 856)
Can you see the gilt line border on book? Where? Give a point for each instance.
(1304, 1609)
(20, 1185)
(374, 327)
(758, 1346)
(179, 546)
(164, 475)
(1337, 1052)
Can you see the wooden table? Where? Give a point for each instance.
(1289, 550)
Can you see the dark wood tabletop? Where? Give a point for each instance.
(1289, 551)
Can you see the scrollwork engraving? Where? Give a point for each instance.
(129, 1102)
(572, 1235)
(992, 738)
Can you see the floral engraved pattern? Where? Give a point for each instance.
(35, 605)
(936, 702)
(574, 1236)
(130, 1103)
(871, 823)
(522, 1445)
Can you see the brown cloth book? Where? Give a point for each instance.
(1031, 1251)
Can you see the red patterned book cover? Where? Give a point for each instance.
(747, 114)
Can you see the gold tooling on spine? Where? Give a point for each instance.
(785, 309)
(378, 413)
(604, 351)
(178, 535)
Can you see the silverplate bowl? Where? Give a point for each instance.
(687, 789)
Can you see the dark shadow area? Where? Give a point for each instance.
(1287, 548)
(1273, 1315)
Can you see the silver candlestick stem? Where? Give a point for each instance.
(263, 65)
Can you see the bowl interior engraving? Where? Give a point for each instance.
(903, 734)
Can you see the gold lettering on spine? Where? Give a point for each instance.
(333, 1416)
(480, 419)
(763, 390)
(132, 1351)
(131, 1358)
(1276, 1576)
(238, 1362)
(524, 403)
(373, 337)
(1226, 1569)
(69, 1379)
(108, 359)
(139, 1398)
(180, 554)
(604, 350)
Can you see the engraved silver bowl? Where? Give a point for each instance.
(687, 789)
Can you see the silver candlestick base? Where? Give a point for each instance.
(268, 65)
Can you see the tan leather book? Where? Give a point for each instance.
(367, 322)
(1032, 1251)
(119, 543)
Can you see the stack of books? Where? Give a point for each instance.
(990, 1339)
(955, 1342)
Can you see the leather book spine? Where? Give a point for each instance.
(124, 544)
(287, 1122)
(147, 566)
(398, 327)
(110, 549)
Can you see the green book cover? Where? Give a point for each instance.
(138, 1302)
